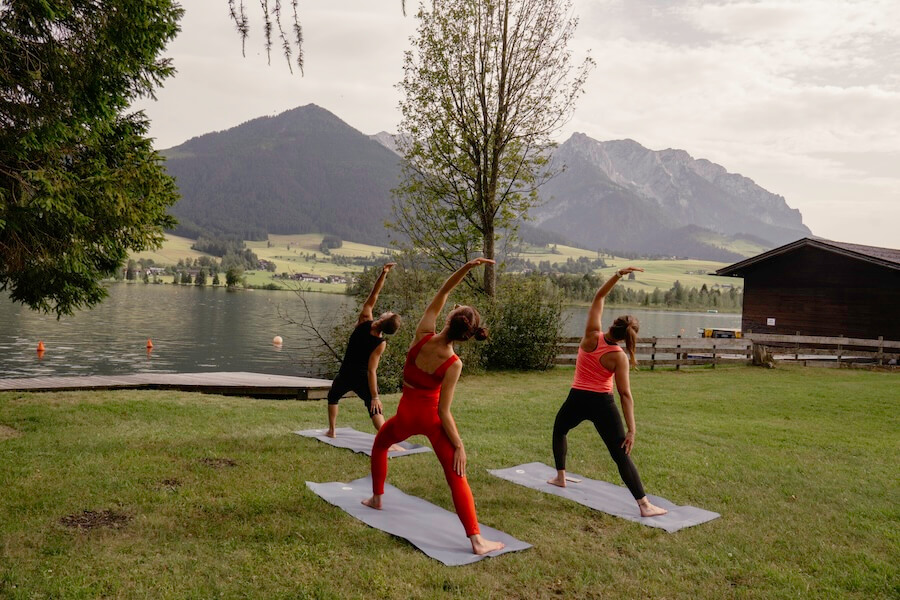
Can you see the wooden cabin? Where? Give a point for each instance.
(822, 288)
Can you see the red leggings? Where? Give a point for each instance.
(418, 415)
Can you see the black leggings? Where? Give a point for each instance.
(601, 410)
(358, 383)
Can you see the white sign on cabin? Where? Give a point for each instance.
(770, 322)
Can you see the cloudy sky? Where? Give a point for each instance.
(802, 96)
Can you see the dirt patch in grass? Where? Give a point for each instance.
(218, 463)
(93, 519)
(169, 485)
(593, 528)
(8, 433)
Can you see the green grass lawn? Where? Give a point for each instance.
(801, 463)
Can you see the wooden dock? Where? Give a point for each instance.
(254, 385)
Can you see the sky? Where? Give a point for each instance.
(801, 96)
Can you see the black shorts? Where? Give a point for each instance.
(358, 384)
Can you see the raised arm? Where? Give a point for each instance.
(429, 319)
(366, 313)
(448, 386)
(593, 327)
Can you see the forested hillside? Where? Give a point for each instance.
(302, 171)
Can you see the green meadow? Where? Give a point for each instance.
(207, 498)
(658, 273)
(663, 274)
(301, 254)
(175, 248)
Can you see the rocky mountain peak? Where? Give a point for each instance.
(671, 185)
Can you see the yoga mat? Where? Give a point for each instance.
(606, 497)
(433, 530)
(349, 438)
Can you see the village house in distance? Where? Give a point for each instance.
(818, 287)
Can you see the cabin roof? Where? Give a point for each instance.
(885, 257)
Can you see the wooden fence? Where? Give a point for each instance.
(753, 348)
(830, 351)
(673, 351)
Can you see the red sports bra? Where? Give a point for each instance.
(418, 378)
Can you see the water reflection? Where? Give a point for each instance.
(206, 329)
(191, 328)
(656, 323)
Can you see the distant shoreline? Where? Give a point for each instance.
(566, 304)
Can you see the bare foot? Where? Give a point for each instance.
(650, 510)
(396, 448)
(330, 433)
(559, 480)
(483, 546)
(373, 502)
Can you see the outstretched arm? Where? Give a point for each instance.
(366, 313)
(448, 386)
(623, 384)
(593, 326)
(429, 319)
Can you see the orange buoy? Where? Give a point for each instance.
(149, 344)
(40, 347)
(277, 341)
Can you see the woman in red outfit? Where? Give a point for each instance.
(429, 379)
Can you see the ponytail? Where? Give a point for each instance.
(626, 328)
(464, 324)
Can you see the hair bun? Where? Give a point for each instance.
(481, 334)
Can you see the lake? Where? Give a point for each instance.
(209, 329)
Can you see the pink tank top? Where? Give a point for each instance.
(589, 373)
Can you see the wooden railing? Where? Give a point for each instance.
(807, 348)
(673, 351)
(753, 348)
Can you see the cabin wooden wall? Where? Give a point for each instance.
(816, 292)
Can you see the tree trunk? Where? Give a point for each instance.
(490, 271)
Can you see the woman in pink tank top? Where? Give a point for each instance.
(600, 361)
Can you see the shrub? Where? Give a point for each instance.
(525, 324)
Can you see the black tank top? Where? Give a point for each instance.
(359, 348)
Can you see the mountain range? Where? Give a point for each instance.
(306, 171)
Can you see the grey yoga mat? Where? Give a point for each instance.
(349, 438)
(606, 497)
(433, 530)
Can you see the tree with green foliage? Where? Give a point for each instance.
(233, 276)
(80, 183)
(131, 270)
(486, 86)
